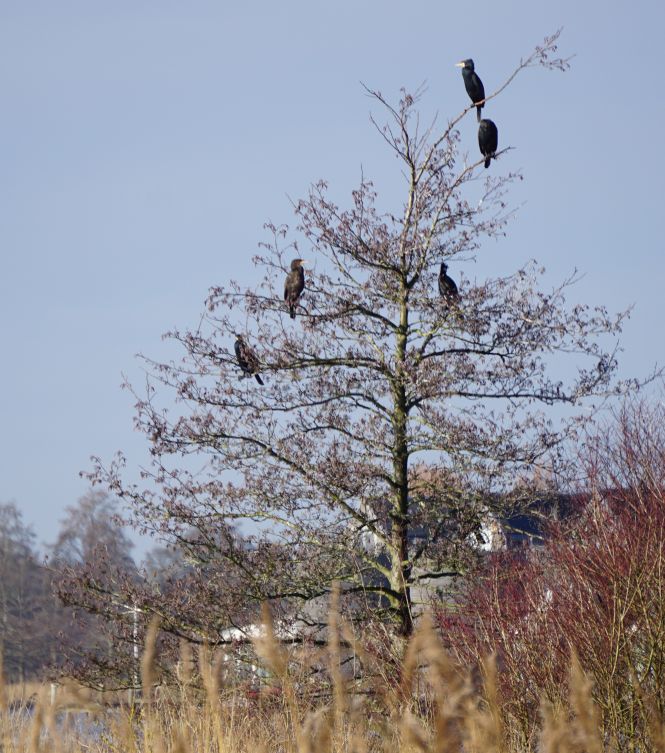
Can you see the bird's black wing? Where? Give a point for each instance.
(448, 288)
(478, 88)
(475, 89)
(488, 139)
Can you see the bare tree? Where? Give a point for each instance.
(391, 419)
(25, 603)
(94, 576)
(91, 525)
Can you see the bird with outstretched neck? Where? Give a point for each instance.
(473, 84)
(294, 285)
(488, 139)
(247, 359)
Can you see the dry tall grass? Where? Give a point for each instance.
(430, 706)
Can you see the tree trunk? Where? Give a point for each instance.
(400, 569)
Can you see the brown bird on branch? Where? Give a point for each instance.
(294, 285)
(247, 359)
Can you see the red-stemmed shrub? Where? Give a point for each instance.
(596, 588)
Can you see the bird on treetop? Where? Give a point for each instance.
(447, 287)
(294, 285)
(247, 359)
(474, 86)
(488, 139)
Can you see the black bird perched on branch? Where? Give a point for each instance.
(474, 86)
(294, 285)
(247, 359)
(447, 287)
(488, 139)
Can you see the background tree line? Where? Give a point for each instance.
(39, 636)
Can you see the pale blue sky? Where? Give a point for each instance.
(143, 145)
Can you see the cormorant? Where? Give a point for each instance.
(474, 86)
(447, 287)
(247, 359)
(488, 139)
(294, 285)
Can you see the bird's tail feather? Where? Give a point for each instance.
(258, 379)
(478, 112)
(292, 312)
(487, 162)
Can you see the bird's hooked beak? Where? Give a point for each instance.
(304, 262)
(459, 65)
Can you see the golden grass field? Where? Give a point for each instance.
(434, 707)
